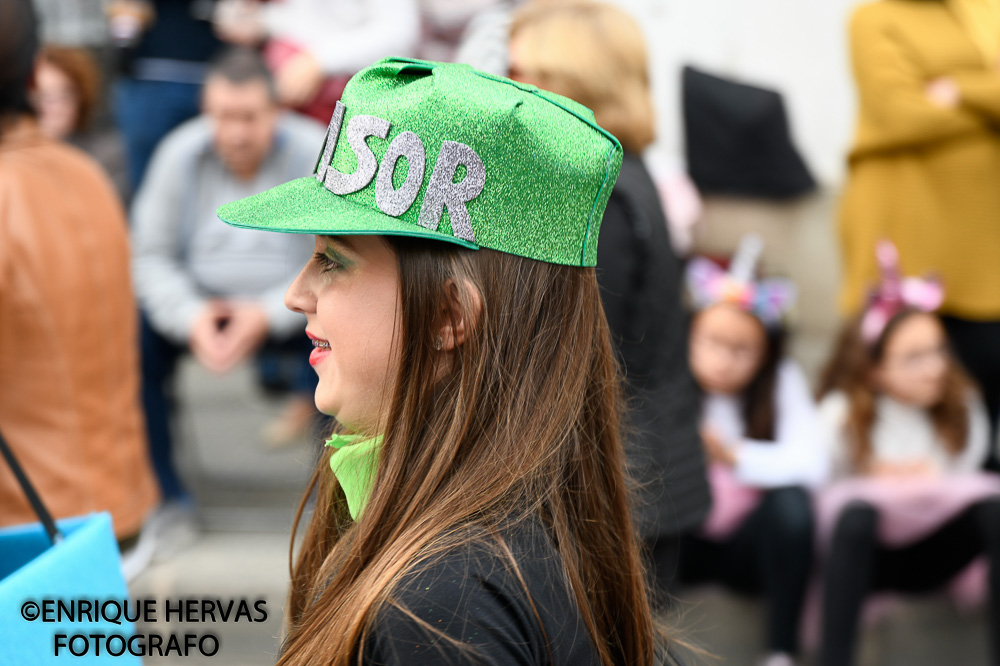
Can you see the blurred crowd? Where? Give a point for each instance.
(124, 124)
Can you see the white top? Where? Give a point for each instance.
(346, 36)
(904, 433)
(797, 456)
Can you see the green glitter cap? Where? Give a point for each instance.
(444, 151)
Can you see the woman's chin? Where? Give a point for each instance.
(327, 406)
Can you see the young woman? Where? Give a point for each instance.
(910, 509)
(477, 511)
(762, 439)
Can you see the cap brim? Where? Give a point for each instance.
(304, 206)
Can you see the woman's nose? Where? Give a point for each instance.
(299, 295)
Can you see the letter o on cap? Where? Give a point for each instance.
(390, 200)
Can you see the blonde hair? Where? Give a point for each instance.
(593, 53)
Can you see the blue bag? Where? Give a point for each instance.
(42, 564)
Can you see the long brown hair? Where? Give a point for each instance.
(850, 371)
(524, 423)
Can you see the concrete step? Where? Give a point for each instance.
(919, 631)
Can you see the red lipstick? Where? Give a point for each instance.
(320, 350)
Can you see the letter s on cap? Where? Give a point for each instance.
(359, 128)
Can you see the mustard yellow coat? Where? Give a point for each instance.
(925, 177)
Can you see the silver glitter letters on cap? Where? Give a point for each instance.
(359, 128)
(392, 201)
(441, 191)
(332, 136)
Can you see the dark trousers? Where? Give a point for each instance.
(858, 565)
(977, 345)
(769, 555)
(159, 361)
(145, 112)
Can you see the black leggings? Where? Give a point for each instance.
(769, 555)
(857, 565)
(977, 345)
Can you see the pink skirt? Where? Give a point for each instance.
(732, 502)
(909, 510)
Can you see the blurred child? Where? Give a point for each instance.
(762, 438)
(910, 509)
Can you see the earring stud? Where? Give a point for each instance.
(438, 343)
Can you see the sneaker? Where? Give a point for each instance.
(170, 528)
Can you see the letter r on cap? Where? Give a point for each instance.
(442, 191)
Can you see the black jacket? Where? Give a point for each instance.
(640, 279)
(471, 595)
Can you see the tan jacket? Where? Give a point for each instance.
(925, 177)
(69, 367)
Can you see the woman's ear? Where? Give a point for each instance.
(460, 311)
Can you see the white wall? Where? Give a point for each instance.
(798, 47)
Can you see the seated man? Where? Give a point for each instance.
(205, 287)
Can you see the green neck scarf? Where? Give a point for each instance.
(354, 463)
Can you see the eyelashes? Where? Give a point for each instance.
(327, 264)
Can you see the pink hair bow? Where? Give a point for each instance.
(893, 294)
(768, 300)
